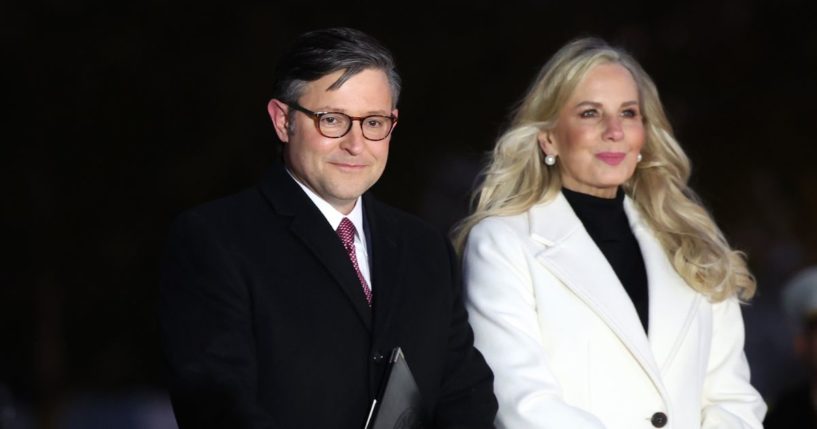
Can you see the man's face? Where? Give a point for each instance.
(339, 170)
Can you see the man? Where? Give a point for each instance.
(280, 304)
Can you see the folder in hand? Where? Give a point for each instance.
(398, 404)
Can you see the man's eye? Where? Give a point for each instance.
(372, 122)
(331, 120)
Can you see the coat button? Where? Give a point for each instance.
(378, 357)
(659, 419)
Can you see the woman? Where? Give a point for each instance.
(585, 238)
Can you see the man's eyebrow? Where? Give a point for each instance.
(329, 109)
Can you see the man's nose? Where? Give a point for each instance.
(353, 142)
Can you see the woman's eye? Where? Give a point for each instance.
(630, 113)
(589, 113)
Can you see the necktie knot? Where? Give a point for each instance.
(346, 232)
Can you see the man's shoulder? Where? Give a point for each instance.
(231, 217)
(226, 207)
(255, 200)
(409, 225)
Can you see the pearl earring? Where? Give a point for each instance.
(639, 158)
(550, 160)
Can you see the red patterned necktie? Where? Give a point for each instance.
(346, 232)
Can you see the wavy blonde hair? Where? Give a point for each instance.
(516, 177)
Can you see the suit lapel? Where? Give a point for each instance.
(385, 251)
(673, 304)
(570, 254)
(310, 227)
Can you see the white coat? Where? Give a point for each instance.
(566, 345)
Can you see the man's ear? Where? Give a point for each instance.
(546, 143)
(279, 114)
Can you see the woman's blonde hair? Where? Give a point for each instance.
(516, 177)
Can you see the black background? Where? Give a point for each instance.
(122, 114)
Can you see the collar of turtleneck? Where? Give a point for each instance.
(603, 218)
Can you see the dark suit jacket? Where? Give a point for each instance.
(264, 323)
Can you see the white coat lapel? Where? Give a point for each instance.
(673, 304)
(570, 254)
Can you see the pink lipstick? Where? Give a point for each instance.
(611, 158)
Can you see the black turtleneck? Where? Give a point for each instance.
(606, 222)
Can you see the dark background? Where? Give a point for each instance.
(122, 115)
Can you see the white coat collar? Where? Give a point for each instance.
(570, 254)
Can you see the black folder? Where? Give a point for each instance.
(398, 404)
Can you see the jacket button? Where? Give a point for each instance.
(378, 357)
(659, 419)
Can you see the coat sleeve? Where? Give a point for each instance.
(206, 332)
(729, 401)
(502, 311)
(467, 399)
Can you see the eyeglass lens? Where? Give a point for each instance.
(374, 127)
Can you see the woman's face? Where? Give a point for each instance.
(599, 132)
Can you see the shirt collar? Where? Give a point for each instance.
(332, 215)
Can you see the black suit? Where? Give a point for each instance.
(265, 325)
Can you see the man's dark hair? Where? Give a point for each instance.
(318, 53)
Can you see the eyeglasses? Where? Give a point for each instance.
(336, 125)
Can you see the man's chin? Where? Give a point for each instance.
(352, 187)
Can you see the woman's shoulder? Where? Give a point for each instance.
(498, 236)
(522, 223)
(512, 222)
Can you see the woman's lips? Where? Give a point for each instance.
(611, 158)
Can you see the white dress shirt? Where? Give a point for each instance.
(334, 217)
